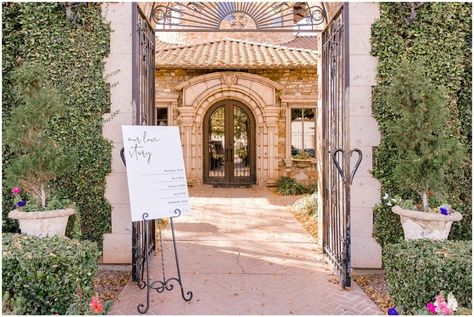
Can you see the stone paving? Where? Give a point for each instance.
(242, 252)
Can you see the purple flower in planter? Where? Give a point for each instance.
(393, 311)
(21, 203)
(444, 210)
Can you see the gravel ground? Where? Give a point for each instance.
(109, 284)
(375, 286)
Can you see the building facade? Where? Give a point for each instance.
(246, 110)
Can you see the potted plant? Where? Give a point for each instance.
(38, 158)
(303, 159)
(425, 151)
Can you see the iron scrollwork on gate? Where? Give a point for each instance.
(238, 16)
(143, 94)
(337, 177)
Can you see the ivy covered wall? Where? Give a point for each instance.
(72, 49)
(439, 36)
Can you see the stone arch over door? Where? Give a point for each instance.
(256, 92)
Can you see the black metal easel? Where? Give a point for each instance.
(164, 284)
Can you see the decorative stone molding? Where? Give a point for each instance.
(229, 79)
(256, 92)
(250, 82)
(292, 99)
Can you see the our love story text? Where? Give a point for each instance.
(137, 150)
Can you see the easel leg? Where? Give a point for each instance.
(142, 309)
(188, 293)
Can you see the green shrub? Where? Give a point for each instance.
(289, 186)
(418, 269)
(46, 274)
(312, 187)
(39, 159)
(440, 38)
(426, 151)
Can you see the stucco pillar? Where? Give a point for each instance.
(364, 134)
(118, 72)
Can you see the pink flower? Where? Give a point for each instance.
(439, 298)
(16, 190)
(443, 307)
(431, 308)
(96, 305)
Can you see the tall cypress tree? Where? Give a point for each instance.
(426, 151)
(39, 159)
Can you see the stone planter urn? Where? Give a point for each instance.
(43, 223)
(426, 225)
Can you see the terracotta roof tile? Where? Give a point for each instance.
(305, 42)
(231, 54)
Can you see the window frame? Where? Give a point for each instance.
(306, 105)
(166, 101)
(302, 128)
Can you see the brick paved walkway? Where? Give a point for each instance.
(242, 252)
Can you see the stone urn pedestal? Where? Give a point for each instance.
(43, 223)
(426, 225)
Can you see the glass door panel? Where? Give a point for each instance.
(217, 162)
(241, 153)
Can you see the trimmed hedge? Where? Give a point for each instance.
(72, 52)
(417, 270)
(439, 36)
(46, 275)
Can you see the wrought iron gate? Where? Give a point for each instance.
(143, 94)
(336, 178)
(228, 16)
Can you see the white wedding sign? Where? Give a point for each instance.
(155, 171)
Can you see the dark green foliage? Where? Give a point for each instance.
(73, 228)
(289, 186)
(312, 187)
(46, 274)
(417, 270)
(72, 55)
(38, 158)
(426, 153)
(440, 39)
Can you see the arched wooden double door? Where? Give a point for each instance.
(229, 144)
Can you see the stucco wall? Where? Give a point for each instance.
(118, 72)
(299, 89)
(364, 134)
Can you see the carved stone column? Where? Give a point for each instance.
(186, 119)
(271, 115)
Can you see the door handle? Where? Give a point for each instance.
(338, 166)
(334, 159)
(356, 167)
